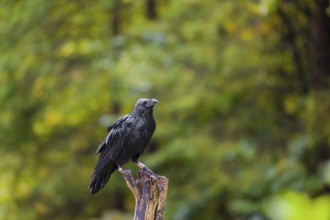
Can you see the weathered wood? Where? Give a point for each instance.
(150, 191)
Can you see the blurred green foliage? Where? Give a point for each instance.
(243, 125)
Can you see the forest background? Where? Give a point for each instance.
(243, 119)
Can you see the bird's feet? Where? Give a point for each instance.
(144, 167)
(122, 171)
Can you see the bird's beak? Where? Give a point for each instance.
(151, 103)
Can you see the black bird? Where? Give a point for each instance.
(127, 139)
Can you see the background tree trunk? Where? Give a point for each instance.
(321, 35)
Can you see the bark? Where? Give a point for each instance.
(150, 191)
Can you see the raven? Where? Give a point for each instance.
(127, 139)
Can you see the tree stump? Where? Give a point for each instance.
(150, 191)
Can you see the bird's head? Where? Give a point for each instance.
(145, 105)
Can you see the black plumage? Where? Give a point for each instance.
(127, 139)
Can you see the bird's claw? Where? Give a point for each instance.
(122, 171)
(146, 169)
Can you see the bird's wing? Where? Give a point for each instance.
(109, 150)
(118, 122)
(116, 139)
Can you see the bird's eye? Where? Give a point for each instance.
(144, 103)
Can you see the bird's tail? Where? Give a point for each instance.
(100, 177)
